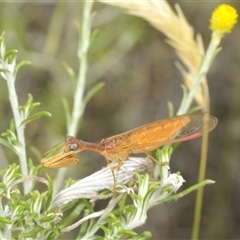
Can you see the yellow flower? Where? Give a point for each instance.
(223, 19)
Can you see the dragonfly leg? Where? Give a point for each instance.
(119, 164)
(155, 160)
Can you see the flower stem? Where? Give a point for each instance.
(207, 60)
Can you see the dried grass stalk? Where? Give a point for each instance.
(178, 31)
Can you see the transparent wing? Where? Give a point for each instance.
(156, 134)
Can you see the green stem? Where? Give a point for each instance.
(207, 60)
(202, 170)
(19, 128)
(81, 81)
(199, 198)
(187, 191)
(184, 107)
(78, 106)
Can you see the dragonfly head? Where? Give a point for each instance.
(72, 145)
(64, 156)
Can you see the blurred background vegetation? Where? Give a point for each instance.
(137, 67)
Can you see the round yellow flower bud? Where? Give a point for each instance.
(223, 19)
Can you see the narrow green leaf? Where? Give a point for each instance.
(95, 237)
(194, 109)
(35, 116)
(36, 202)
(9, 53)
(114, 220)
(92, 92)
(52, 234)
(2, 170)
(122, 203)
(21, 64)
(94, 34)
(31, 104)
(187, 191)
(105, 229)
(25, 108)
(50, 193)
(11, 137)
(2, 45)
(69, 70)
(127, 232)
(10, 174)
(5, 220)
(143, 236)
(48, 218)
(171, 109)
(7, 144)
(12, 126)
(85, 226)
(28, 107)
(4, 70)
(78, 208)
(32, 233)
(9, 134)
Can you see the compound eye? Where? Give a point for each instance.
(73, 147)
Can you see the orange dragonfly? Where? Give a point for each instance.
(139, 140)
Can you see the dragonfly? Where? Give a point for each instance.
(143, 139)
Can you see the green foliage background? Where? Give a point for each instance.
(138, 70)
